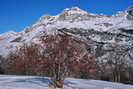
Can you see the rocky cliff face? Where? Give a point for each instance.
(100, 32)
(130, 13)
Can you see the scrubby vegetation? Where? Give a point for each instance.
(61, 55)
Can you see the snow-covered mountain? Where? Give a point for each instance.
(98, 30)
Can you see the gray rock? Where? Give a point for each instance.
(130, 13)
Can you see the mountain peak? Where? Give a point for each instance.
(75, 10)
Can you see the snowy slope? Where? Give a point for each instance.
(32, 82)
(6, 41)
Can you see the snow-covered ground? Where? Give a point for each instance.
(32, 82)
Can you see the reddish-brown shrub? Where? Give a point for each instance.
(65, 54)
(58, 56)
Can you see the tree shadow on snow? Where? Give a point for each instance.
(38, 81)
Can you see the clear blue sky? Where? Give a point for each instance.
(17, 14)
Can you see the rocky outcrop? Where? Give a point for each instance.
(130, 13)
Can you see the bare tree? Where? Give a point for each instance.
(24, 61)
(115, 64)
(61, 50)
(1, 65)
